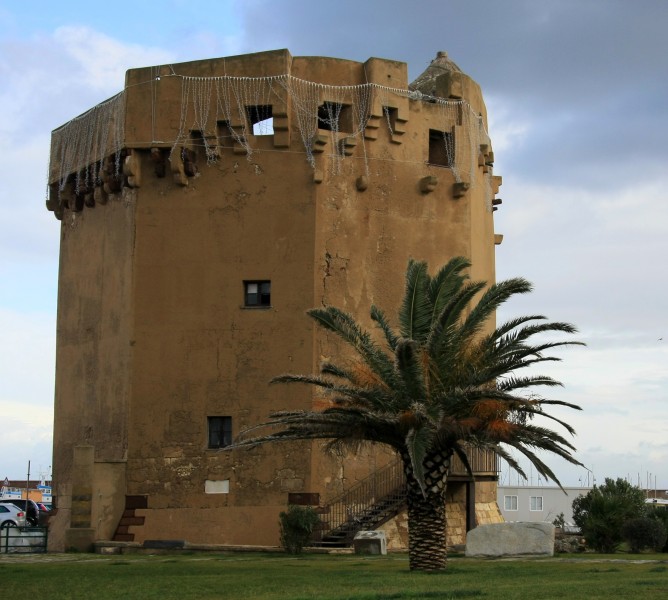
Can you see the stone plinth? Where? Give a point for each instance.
(511, 539)
(370, 542)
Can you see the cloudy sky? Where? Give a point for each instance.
(576, 90)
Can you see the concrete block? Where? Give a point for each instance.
(511, 539)
(370, 542)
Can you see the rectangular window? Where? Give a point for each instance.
(441, 148)
(334, 116)
(257, 293)
(510, 502)
(261, 119)
(535, 503)
(220, 431)
(391, 117)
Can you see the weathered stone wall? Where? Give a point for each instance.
(93, 350)
(153, 334)
(486, 512)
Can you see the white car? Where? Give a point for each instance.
(11, 516)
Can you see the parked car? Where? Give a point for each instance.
(11, 516)
(29, 507)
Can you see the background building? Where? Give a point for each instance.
(203, 210)
(541, 504)
(37, 490)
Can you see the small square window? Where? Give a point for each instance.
(257, 293)
(391, 117)
(535, 503)
(510, 502)
(334, 116)
(441, 148)
(220, 431)
(261, 119)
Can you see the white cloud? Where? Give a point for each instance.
(26, 392)
(101, 61)
(47, 80)
(506, 129)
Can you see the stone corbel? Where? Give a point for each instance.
(111, 182)
(132, 169)
(428, 184)
(54, 202)
(66, 196)
(485, 158)
(99, 195)
(319, 143)
(178, 169)
(348, 145)
(460, 189)
(497, 180)
(211, 145)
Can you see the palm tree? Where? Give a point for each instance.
(445, 380)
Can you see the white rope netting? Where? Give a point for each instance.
(341, 113)
(81, 145)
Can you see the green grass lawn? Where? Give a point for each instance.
(262, 576)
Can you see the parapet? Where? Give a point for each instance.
(189, 113)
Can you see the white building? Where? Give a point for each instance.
(538, 504)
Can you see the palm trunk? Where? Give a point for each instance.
(426, 514)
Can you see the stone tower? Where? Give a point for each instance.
(203, 210)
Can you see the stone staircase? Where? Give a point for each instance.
(367, 505)
(130, 518)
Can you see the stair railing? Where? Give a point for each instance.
(351, 508)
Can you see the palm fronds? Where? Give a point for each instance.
(442, 381)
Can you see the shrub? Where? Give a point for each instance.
(644, 533)
(297, 525)
(560, 521)
(601, 513)
(661, 513)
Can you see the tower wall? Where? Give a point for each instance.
(166, 216)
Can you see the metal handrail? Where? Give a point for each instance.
(370, 502)
(354, 508)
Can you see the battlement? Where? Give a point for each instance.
(324, 110)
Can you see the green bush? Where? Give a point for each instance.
(601, 513)
(297, 525)
(660, 512)
(560, 521)
(644, 533)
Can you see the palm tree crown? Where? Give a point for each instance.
(443, 380)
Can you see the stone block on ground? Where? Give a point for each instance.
(370, 542)
(511, 539)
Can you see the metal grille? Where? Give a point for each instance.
(23, 540)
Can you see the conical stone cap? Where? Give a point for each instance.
(441, 65)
